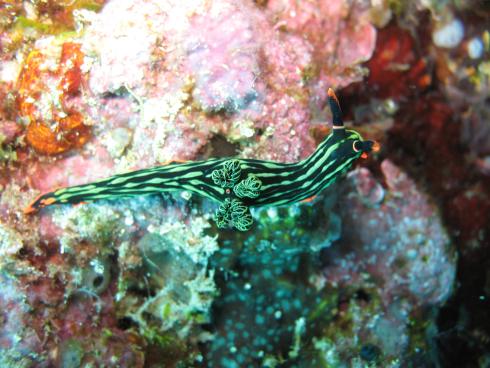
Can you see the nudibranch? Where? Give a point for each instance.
(235, 183)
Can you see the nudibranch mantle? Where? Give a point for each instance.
(236, 183)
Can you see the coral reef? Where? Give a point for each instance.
(394, 256)
(362, 275)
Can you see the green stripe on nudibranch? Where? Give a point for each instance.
(237, 184)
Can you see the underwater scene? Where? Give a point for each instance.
(244, 183)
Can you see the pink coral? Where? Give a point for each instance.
(232, 57)
(399, 241)
(340, 34)
(223, 58)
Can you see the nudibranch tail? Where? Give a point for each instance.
(42, 200)
(192, 176)
(236, 184)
